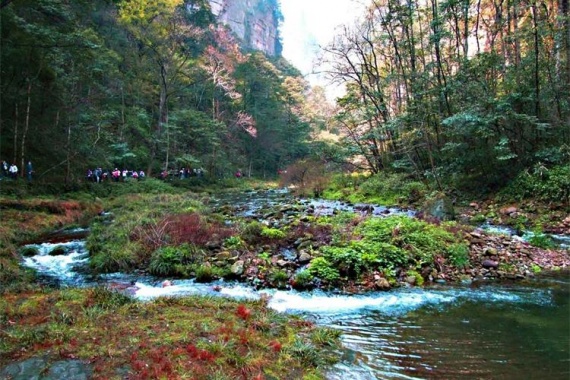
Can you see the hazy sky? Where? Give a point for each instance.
(310, 23)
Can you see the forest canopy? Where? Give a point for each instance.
(456, 93)
(146, 84)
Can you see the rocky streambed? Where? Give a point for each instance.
(276, 263)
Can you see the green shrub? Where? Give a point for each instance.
(324, 270)
(204, 273)
(233, 242)
(418, 239)
(116, 258)
(303, 280)
(252, 232)
(541, 240)
(458, 255)
(354, 258)
(535, 268)
(417, 276)
(278, 278)
(272, 233)
(541, 182)
(170, 261)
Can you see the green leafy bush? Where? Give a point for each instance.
(458, 255)
(408, 239)
(204, 273)
(417, 276)
(541, 240)
(303, 280)
(278, 278)
(354, 258)
(272, 233)
(116, 258)
(233, 242)
(324, 270)
(170, 261)
(252, 232)
(541, 182)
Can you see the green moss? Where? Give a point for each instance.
(273, 233)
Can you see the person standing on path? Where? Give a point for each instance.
(29, 171)
(4, 169)
(13, 171)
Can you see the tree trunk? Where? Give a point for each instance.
(15, 151)
(26, 127)
(68, 163)
(536, 61)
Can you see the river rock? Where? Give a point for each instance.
(223, 256)
(411, 280)
(490, 251)
(382, 284)
(490, 264)
(237, 268)
(508, 210)
(282, 263)
(58, 250)
(304, 257)
(252, 271)
(40, 368)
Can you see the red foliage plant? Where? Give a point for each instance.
(191, 228)
(275, 345)
(200, 354)
(243, 312)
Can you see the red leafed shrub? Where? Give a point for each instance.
(199, 354)
(243, 312)
(275, 345)
(191, 228)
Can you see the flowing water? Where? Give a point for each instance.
(482, 331)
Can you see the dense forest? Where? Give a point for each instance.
(150, 85)
(465, 93)
(457, 94)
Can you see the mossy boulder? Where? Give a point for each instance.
(440, 207)
(58, 250)
(29, 251)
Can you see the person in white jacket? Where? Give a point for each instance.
(13, 171)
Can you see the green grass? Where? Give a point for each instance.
(170, 337)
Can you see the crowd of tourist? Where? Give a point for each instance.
(99, 175)
(11, 171)
(183, 173)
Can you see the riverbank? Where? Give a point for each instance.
(101, 333)
(268, 239)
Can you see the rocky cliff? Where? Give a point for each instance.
(255, 22)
